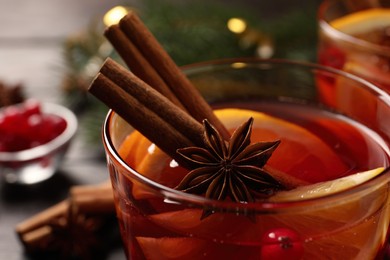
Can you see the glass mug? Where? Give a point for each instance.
(354, 35)
(159, 222)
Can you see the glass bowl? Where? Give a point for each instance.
(39, 163)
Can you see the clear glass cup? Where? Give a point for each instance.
(159, 222)
(354, 35)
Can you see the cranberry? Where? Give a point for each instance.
(31, 107)
(25, 126)
(54, 125)
(282, 243)
(12, 120)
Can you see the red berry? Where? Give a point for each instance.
(282, 243)
(52, 126)
(31, 107)
(13, 118)
(25, 126)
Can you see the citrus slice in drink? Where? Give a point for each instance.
(339, 214)
(227, 227)
(335, 224)
(326, 188)
(369, 67)
(348, 94)
(329, 226)
(201, 239)
(367, 26)
(170, 248)
(304, 155)
(239, 228)
(363, 21)
(134, 148)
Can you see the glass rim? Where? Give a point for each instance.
(245, 61)
(176, 195)
(347, 38)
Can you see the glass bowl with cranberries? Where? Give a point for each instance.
(34, 137)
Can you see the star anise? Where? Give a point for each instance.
(229, 169)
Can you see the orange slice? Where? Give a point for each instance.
(300, 154)
(230, 228)
(368, 67)
(134, 148)
(317, 232)
(129, 146)
(364, 24)
(326, 188)
(335, 226)
(170, 248)
(349, 94)
(324, 228)
(363, 21)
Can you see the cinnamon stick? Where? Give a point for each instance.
(139, 35)
(148, 122)
(37, 238)
(42, 218)
(138, 64)
(77, 194)
(93, 199)
(288, 181)
(154, 101)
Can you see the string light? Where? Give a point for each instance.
(114, 15)
(238, 65)
(236, 25)
(265, 50)
(250, 37)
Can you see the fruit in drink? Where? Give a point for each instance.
(358, 43)
(326, 188)
(156, 227)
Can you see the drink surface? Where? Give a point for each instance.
(316, 146)
(364, 47)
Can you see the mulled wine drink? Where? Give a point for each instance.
(340, 154)
(354, 36)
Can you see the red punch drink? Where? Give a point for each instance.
(354, 37)
(338, 152)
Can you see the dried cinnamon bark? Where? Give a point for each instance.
(168, 131)
(148, 111)
(138, 63)
(141, 42)
(92, 199)
(89, 203)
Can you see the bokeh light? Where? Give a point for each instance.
(114, 15)
(236, 25)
